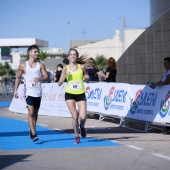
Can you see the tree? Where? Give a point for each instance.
(12, 72)
(42, 55)
(5, 73)
(100, 61)
(2, 70)
(6, 70)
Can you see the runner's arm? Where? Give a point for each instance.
(44, 73)
(63, 76)
(20, 71)
(86, 76)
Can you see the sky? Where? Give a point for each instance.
(59, 21)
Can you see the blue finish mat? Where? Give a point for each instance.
(14, 135)
(3, 104)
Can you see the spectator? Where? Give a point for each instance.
(165, 80)
(51, 77)
(65, 61)
(92, 70)
(111, 70)
(58, 72)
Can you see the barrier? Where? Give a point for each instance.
(128, 102)
(52, 103)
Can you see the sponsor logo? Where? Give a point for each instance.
(94, 94)
(134, 103)
(165, 105)
(117, 97)
(108, 99)
(142, 102)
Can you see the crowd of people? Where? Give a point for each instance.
(109, 75)
(74, 71)
(92, 70)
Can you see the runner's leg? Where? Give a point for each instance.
(72, 107)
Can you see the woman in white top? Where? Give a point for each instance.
(165, 80)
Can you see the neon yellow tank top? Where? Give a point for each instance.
(75, 83)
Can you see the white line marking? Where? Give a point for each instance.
(57, 129)
(114, 141)
(134, 147)
(42, 125)
(161, 156)
(88, 136)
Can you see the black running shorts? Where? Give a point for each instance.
(76, 97)
(33, 101)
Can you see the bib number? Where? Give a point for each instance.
(75, 85)
(32, 84)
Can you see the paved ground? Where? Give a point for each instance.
(134, 150)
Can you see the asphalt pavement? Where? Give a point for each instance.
(107, 145)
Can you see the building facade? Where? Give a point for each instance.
(143, 60)
(14, 58)
(158, 8)
(112, 47)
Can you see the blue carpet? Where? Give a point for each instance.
(14, 135)
(3, 104)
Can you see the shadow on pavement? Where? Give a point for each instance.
(8, 160)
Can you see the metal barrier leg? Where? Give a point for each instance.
(121, 121)
(146, 127)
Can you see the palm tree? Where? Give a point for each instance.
(5, 73)
(100, 61)
(42, 55)
(9, 71)
(2, 70)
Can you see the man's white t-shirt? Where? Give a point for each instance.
(31, 87)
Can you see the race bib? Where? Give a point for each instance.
(32, 84)
(76, 85)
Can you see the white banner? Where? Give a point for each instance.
(52, 103)
(148, 104)
(113, 99)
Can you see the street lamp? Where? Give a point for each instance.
(68, 23)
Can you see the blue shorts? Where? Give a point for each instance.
(76, 97)
(33, 101)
